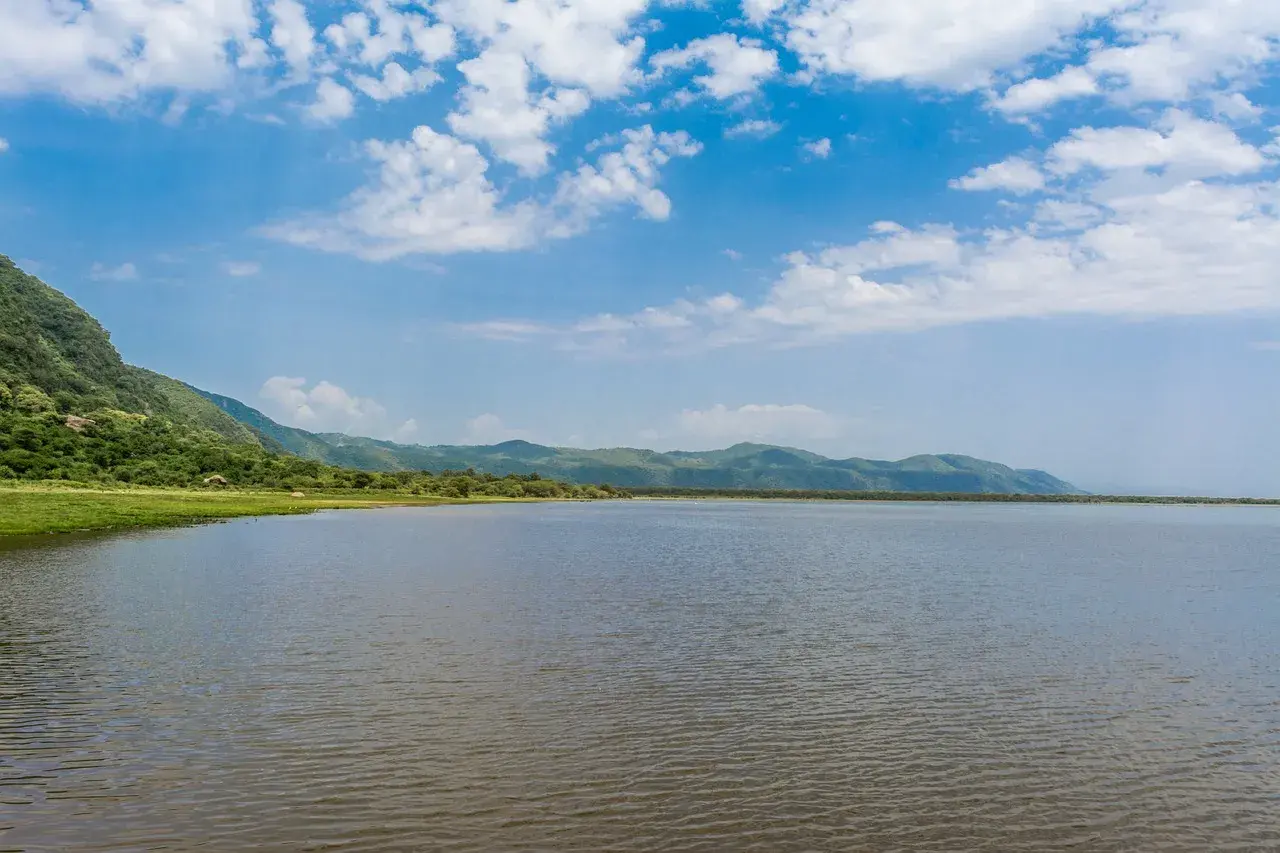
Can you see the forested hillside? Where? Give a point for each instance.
(72, 410)
(132, 425)
(743, 466)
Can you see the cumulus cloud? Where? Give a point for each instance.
(753, 127)
(434, 196)
(395, 82)
(951, 44)
(758, 11)
(124, 272)
(1015, 175)
(489, 429)
(819, 149)
(1180, 142)
(333, 102)
(1163, 51)
(241, 269)
(737, 66)
(292, 35)
(620, 177)
(1170, 220)
(4, 145)
(115, 51)
(405, 432)
(326, 407)
(499, 109)
(767, 422)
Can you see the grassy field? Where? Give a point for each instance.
(34, 509)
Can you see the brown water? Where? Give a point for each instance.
(684, 676)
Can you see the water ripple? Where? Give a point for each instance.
(664, 677)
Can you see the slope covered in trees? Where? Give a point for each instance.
(71, 409)
(743, 466)
(56, 360)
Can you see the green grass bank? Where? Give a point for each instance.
(32, 509)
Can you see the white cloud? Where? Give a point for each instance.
(395, 82)
(1235, 106)
(1164, 51)
(738, 66)
(732, 254)
(820, 149)
(4, 145)
(241, 269)
(753, 127)
(333, 102)
(582, 47)
(1180, 142)
(1016, 175)
(434, 196)
(952, 44)
(125, 272)
(759, 11)
(767, 422)
(111, 51)
(489, 429)
(1036, 94)
(498, 108)
(629, 175)
(292, 35)
(573, 43)
(1110, 239)
(406, 431)
(381, 31)
(324, 407)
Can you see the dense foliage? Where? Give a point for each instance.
(72, 410)
(36, 443)
(49, 343)
(743, 466)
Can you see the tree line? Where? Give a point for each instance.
(41, 440)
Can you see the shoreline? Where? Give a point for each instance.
(959, 498)
(34, 510)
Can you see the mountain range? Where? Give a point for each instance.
(51, 347)
(742, 466)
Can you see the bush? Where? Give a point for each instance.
(31, 399)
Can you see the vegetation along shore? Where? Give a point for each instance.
(41, 508)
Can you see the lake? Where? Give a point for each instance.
(717, 676)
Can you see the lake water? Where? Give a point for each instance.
(650, 676)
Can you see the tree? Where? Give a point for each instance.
(31, 399)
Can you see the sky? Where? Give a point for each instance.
(1043, 232)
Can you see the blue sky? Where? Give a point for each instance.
(1044, 232)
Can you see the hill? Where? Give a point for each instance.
(743, 466)
(56, 360)
(72, 410)
(50, 343)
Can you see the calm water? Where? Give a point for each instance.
(689, 676)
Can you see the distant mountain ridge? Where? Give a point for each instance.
(742, 466)
(57, 360)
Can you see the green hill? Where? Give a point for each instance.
(72, 410)
(56, 360)
(743, 466)
(50, 343)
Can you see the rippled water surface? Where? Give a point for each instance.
(651, 676)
